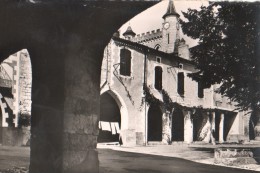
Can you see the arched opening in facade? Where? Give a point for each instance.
(223, 124)
(66, 63)
(177, 125)
(1, 121)
(154, 123)
(199, 121)
(217, 122)
(228, 122)
(15, 99)
(157, 47)
(110, 119)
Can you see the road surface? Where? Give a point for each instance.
(112, 161)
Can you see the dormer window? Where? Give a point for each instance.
(125, 62)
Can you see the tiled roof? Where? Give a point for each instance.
(129, 31)
(170, 10)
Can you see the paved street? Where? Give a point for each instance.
(14, 157)
(112, 161)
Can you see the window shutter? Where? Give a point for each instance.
(158, 78)
(180, 88)
(200, 90)
(125, 62)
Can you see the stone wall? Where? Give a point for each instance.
(235, 156)
(12, 136)
(166, 131)
(11, 66)
(130, 91)
(25, 84)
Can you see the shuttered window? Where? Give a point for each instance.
(180, 87)
(200, 90)
(158, 78)
(125, 62)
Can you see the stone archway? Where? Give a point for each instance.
(198, 124)
(177, 125)
(15, 99)
(66, 43)
(110, 119)
(1, 126)
(154, 128)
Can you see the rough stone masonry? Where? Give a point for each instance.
(65, 40)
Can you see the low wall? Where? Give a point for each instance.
(237, 138)
(233, 156)
(12, 136)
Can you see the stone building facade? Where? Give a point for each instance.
(145, 90)
(15, 102)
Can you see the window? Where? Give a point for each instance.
(157, 47)
(158, 78)
(158, 59)
(180, 66)
(200, 90)
(168, 36)
(180, 87)
(125, 62)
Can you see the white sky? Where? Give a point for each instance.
(151, 19)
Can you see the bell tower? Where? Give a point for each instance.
(170, 28)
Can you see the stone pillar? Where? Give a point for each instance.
(166, 128)
(66, 42)
(188, 127)
(47, 110)
(81, 111)
(221, 128)
(212, 127)
(257, 126)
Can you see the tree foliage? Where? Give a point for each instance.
(228, 49)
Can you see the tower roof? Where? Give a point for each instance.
(170, 10)
(129, 31)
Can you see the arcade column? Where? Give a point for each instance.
(66, 41)
(221, 128)
(188, 127)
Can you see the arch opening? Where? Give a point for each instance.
(198, 123)
(1, 121)
(15, 99)
(154, 123)
(110, 119)
(157, 47)
(178, 125)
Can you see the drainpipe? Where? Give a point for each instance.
(144, 85)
